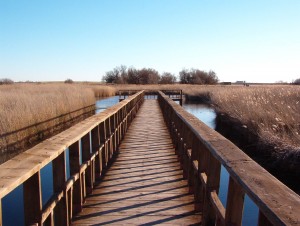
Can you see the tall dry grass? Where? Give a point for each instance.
(272, 112)
(103, 91)
(26, 104)
(22, 105)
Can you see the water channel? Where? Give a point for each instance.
(208, 115)
(12, 204)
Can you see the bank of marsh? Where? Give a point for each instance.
(28, 105)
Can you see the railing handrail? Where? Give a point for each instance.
(178, 91)
(48, 150)
(92, 145)
(279, 204)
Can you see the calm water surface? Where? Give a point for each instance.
(12, 204)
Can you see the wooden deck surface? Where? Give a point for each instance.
(144, 186)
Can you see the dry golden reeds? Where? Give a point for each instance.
(24, 105)
(103, 91)
(272, 112)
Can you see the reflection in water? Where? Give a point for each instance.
(207, 115)
(102, 104)
(202, 112)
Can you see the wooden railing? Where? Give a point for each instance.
(202, 151)
(174, 94)
(92, 144)
(16, 141)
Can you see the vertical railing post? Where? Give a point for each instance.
(108, 137)
(103, 141)
(235, 204)
(74, 158)
(1, 223)
(213, 183)
(95, 148)
(201, 185)
(59, 179)
(122, 123)
(118, 121)
(113, 132)
(181, 100)
(33, 199)
(86, 155)
(192, 174)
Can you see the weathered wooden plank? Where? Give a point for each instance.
(144, 184)
(141, 219)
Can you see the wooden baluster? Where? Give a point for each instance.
(213, 183)
(126, 118)
(123, 122)
(59, 179)
(86, 156)
(263, 220)
(108, 139)
(113, 132)
(185, 161)
(235, 204)
(95, 148)
(201, 185)
(118, 121)
(32, 199)
(70, 196)
(74, 155)
(190, 157)
(50, 220)
(102, 154)
(1, 212)
(83, 185)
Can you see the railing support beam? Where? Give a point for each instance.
(32, 199)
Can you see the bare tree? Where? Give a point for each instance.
(185, 76)
(297, 81)
(167, 78)
(6, 81)
(196, 76)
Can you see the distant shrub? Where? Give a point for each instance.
(122, 75)
(167, 78)
(69, 81)
(6, 81)
(196, 76)
(297, 81)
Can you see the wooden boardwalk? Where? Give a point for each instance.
(144, 186)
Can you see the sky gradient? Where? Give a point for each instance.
(256, 41)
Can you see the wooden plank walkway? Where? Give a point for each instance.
(144, 186)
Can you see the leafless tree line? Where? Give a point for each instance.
(124, 75)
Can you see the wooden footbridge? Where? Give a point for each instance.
(144, 162)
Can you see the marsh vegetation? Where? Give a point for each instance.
(264, 121)
(33, 112)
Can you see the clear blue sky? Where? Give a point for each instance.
(257, 41)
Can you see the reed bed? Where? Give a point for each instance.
(45, 106)
(101, 91)
(271, 112)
